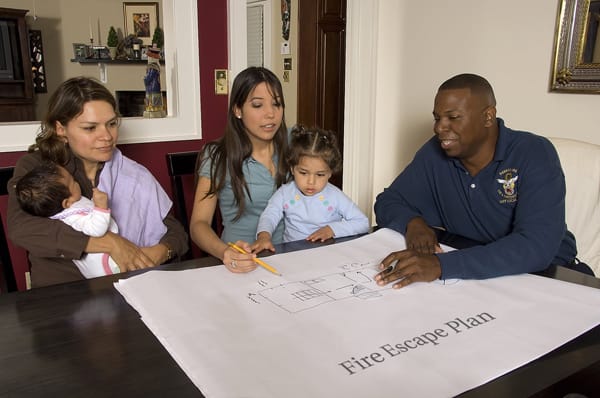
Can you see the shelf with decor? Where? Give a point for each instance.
(112, 61)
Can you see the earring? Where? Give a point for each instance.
(238, 116)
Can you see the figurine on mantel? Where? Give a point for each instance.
(125, 47)
(154, 99)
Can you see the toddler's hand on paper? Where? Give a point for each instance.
(321, 235)
(263, 242)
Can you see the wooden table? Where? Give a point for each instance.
(83, 339)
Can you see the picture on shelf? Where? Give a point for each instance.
(80, 51)
(101, 52)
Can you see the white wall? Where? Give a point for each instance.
(510, 42)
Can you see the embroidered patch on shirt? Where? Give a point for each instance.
(508, 191)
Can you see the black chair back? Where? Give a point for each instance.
(8, 282)
(180, 164)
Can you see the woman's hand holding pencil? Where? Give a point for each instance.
(239, 261)
(234, 263)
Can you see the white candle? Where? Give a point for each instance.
(91, 33)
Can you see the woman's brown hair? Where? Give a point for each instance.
(65, 104)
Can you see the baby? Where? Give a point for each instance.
(49, 190)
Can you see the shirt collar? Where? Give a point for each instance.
(250, 159)
(503, 141)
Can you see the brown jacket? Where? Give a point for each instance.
(51, 244)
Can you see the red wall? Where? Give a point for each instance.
(212, 37)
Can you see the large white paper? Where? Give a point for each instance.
(325, 329)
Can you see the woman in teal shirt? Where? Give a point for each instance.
(241, 170)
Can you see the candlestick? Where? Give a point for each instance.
(91, 32)
(99, 35)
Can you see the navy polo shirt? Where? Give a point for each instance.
(515, 205)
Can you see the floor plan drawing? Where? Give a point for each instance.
(353, 281)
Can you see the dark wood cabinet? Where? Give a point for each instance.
(16, 79)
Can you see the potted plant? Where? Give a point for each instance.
(158, 37)
(112, 42)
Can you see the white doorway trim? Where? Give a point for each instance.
(360, 101)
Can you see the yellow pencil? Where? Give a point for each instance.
(256, 260)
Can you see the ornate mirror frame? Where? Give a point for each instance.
(572, 72)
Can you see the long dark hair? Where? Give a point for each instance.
(65, 104)
(229, 152)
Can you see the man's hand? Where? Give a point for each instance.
(421, 238)
(410, 266)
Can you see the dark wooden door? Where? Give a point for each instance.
(322, 66)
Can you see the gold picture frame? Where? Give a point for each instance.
(141, 19)
(576, 67)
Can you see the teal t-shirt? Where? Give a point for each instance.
(261, 185)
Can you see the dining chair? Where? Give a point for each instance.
(8, 282)
(180, 165)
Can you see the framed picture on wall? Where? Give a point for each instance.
(140, 19)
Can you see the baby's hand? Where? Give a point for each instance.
(100, 198)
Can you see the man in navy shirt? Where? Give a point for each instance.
(482, 180)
